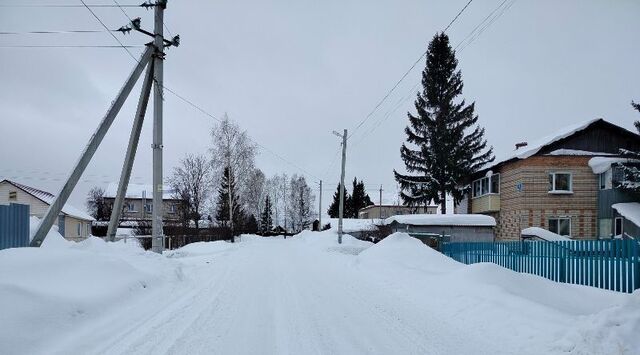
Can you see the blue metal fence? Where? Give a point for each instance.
(608, 264)
(14, 226)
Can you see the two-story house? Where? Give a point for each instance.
(138, 202)
(550, 183)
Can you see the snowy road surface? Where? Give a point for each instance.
(306, 295)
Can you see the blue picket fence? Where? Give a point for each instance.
(608, 264)
(14, 226)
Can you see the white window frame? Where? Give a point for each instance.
(557, 219)
(560, 192)
(615, 226)
(476, 186)
(150, 209)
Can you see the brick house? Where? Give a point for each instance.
(550, 184)
(138, 202)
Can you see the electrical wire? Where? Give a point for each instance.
(107, 28)
(483, 25)
(69, 46)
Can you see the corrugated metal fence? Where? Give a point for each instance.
(608, 264)
(14, 226)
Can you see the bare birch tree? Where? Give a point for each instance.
(191, 183)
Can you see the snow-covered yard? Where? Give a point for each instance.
(302, 295)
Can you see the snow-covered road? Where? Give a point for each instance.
(308, 296)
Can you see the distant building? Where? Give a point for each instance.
(73, 223)
(384, 211)
(445, 227)
(138, 202)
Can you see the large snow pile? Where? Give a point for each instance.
(48, 291)
(403, 250)
(200, 249)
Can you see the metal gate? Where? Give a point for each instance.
(14, 226)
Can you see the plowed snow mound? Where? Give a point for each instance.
(200, 249)
(405, 251)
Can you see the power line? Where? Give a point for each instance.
(107, 28)
(483, 25)
(384, 98)
(53, 32)
(70, 46)
(66, 5)
(128, 17)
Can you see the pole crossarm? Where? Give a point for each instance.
(54, 209)
(130, 156)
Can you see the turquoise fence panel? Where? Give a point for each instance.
(608, 264)
(14, 226)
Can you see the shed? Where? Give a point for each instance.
(454, 227)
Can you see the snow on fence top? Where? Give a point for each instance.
(443, 220)
(601, 164)
(136, 191)
(629, 210)
(543, 234)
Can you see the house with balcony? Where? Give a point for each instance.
(138, 202)
(551, 184)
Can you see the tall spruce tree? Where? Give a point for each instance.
(359, 199)
(333, 210)
(446, 144)
(266, 221)
(631, 172)
(222, 209)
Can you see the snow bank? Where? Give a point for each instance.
(63, 284)
(200, 249)
(443, 220)
(614, 330)
(543, 234)
(405, 251)
(53, 238)
(629, 210)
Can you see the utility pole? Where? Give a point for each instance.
(341, 207)
(152, 57)
(380, 212)
(320, 209)
(157, 241)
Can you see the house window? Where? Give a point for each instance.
(130, 206)
(486, 185)
(603, 181)
(79, 228)
(560, 183)
(618, 226)
(172, 208)
(13, 195)
(148, 207)
(560, 225)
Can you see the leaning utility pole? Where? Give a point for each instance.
(157, 241)
(341, 207)
(151, 58)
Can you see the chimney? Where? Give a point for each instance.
(520, 145)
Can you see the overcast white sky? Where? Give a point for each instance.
(290, 72)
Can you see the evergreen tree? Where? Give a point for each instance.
(631, 172)
(222, 210)
(446, 144)
(333, 210)
(266, 222)
(359, 199)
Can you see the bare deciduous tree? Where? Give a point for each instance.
(191, 183)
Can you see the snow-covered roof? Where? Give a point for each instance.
(534, 147)
(443, 220)
(137, 191)
(48, 198)
(629, 210)
(576, 152)
(350, 225)
(543, 234)
(601, 164)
